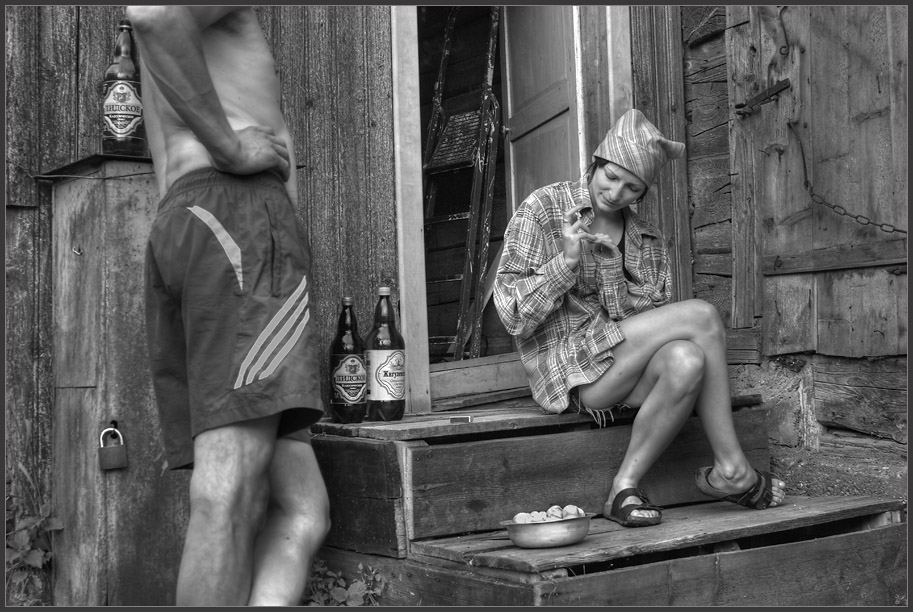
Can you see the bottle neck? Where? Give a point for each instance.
(347, 319)
(383, 312)
(123, 44)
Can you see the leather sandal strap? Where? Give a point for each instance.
(636, 492)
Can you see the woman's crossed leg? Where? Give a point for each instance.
(673, 361)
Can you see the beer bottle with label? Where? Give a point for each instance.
(385, 355)
(123, 131)
(348, 376)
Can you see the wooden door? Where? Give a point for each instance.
(542, 140)
(819, 174)
(123, 529)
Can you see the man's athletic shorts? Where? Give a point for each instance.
(228, 319)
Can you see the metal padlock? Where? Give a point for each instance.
(112, 457)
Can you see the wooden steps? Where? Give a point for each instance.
(421, 501)
(811, 551)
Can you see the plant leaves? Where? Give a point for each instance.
(12, 555)
(21, 540)
(27, 522)
(356, 594)
(34, 558)
(339, 594)
(19, 576)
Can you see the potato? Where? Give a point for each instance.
(522, 517)
(555, 511)
(538, 516)
(572, 511)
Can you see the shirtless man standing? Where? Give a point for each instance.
(231, 349)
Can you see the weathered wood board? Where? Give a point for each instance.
(658, 90)
(794, 157)
(819, 551)
(106, 551)
(789, 316)
(862, 313)
(857, 569)
(683, 527)
(365, 489)
(868, 396)
(427, 477)
(472, 486)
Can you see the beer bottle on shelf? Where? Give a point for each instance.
(123, 131)
(348, 376)
(385, 355)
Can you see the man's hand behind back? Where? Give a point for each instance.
(258, 149)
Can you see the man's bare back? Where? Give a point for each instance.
(239, 69)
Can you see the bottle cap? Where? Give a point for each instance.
(383, 290)
(347, 301)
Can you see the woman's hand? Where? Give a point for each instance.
(607, 244)
(574, 234)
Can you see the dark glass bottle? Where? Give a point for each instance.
(385, 354)
(123, 130)
(348, 375)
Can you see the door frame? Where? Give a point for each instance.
(599, 102)
(407, 153)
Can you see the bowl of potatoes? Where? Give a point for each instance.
(557, 526)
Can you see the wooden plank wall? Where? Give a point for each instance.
(40, 98)
(831, 284)
(709, 184)
(659, 93)
(337, 95)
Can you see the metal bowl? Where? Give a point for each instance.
(549, 534)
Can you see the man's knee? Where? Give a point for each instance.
(298, 491)
(229, 502)
(316, 526)
(231, 471)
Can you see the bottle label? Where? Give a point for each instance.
(123, 108)
(350, 379)
(386, 375)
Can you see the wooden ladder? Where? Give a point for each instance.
(457, 141)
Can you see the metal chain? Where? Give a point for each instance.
(840, 210)
(860, 219)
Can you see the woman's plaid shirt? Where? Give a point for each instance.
(565, 321)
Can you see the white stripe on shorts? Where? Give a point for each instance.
(278, 343)
(228, 244)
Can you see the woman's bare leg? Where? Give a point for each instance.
(665, 393)
(632, 379)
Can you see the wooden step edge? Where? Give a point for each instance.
(693, 525)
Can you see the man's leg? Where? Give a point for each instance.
(297, 521)
(228, 495)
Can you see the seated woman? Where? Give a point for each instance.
(583, 286)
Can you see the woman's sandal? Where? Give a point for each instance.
(622, 514)
(758, 497)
